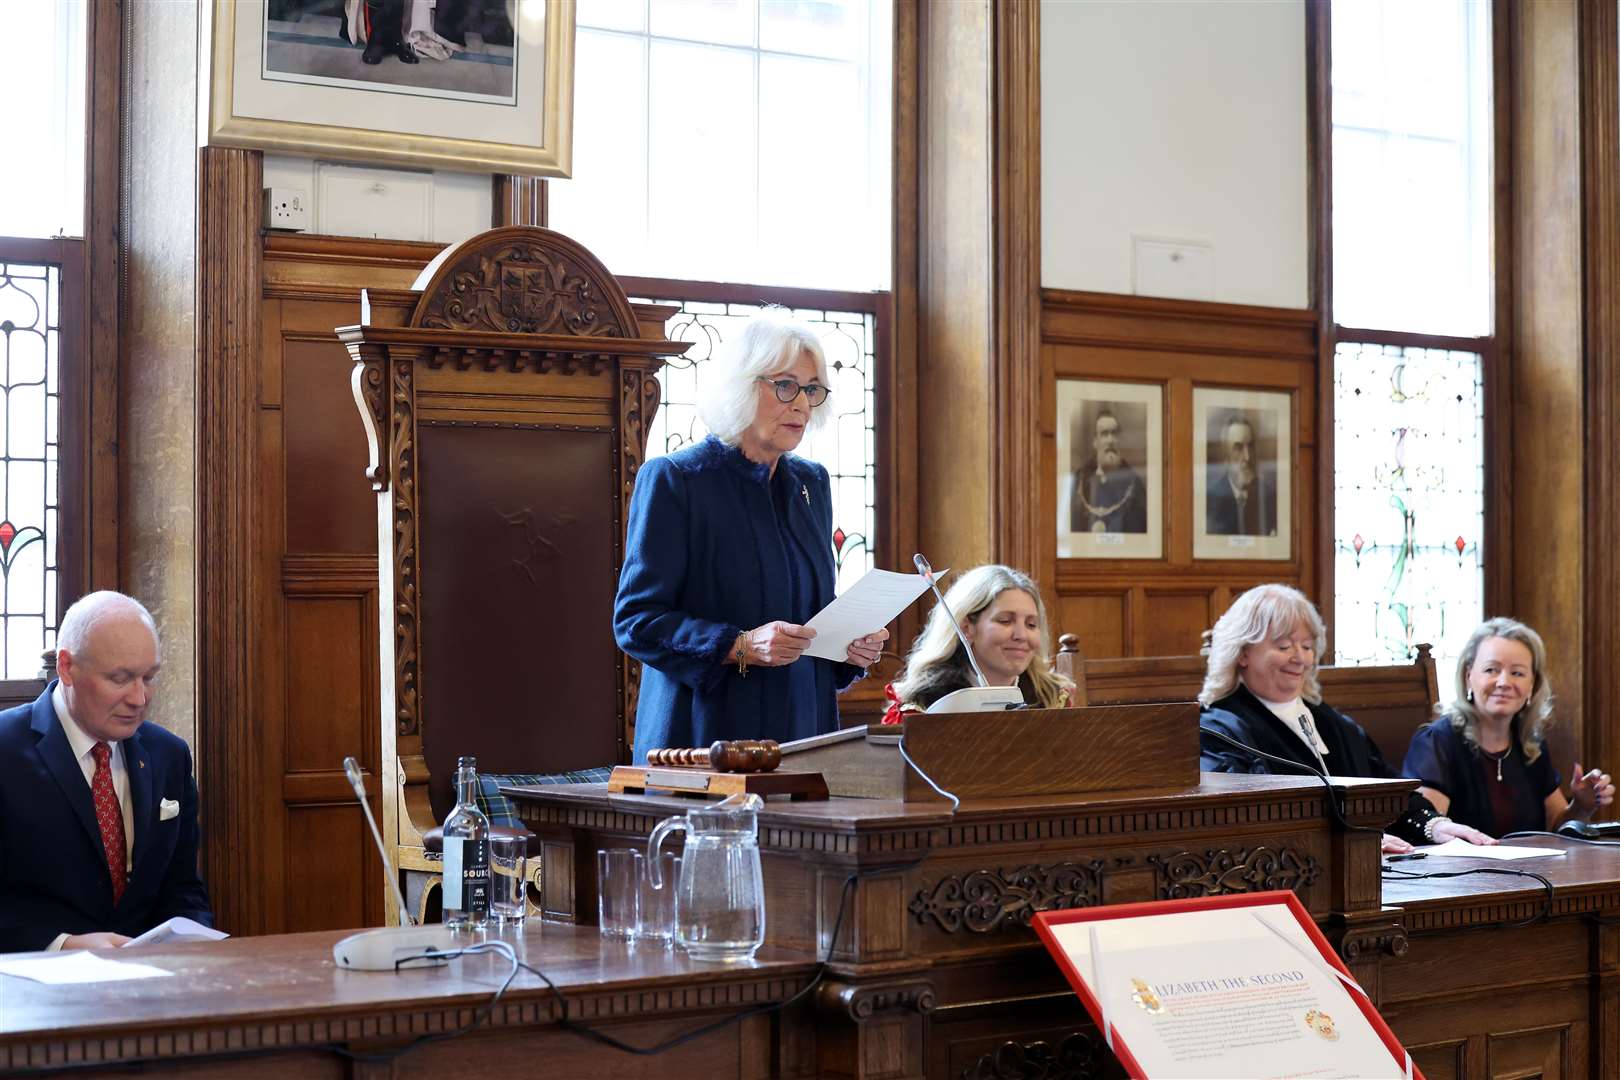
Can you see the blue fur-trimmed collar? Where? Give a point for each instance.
(711, 453)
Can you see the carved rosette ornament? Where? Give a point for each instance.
(402, 454)
(1075, 1058)
(526, 281)
(1218, 872)
(987, 900)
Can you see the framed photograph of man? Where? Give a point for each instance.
(1242, 474)
(470, 85)
(1110, 470)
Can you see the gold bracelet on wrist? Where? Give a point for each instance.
(742, 655)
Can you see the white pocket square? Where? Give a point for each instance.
(168, 808)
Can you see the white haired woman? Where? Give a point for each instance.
(729, 553)
(1004, 620)
(1261, 697)
(1483, 761)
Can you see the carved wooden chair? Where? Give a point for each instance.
(506, 418)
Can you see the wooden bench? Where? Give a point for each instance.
(1390, 702)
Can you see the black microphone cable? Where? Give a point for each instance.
(1333, 793)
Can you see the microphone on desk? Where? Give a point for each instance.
(386, 949)
(979, 698)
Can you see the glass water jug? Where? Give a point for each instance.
(720, 891)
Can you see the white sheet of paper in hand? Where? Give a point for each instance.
(1462, 849)
(77, 966)
(178, 928)
(869, 604)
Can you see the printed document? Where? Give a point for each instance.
(870, 604)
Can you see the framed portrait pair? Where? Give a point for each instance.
(1111, 452)
(468, 85)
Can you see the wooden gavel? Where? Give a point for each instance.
(739, 756)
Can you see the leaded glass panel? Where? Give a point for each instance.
(847, 445)
(1409, 474)
(30, 340)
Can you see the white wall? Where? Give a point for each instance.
(387, 204)
(1179, 121)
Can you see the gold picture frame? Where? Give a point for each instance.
(259, 93)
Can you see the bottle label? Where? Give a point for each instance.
(452, 874)
(475, 875)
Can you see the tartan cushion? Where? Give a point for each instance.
(499, 809)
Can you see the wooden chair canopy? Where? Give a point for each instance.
(506, 420)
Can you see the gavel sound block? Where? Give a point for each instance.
(726, 768)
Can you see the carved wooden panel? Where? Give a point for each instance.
(525, 281)
(1218, 871)
(983, 901)
(1078, 1056)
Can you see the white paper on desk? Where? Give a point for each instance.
(78, 966)
(867, 605)
(178, 928)
(1462, 849)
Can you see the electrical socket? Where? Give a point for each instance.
(286, 208)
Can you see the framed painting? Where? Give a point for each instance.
(1242, 474)
(469, 85)
(1110, 470)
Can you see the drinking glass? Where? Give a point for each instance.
(618, 891)
(658, 900)
(508, 867)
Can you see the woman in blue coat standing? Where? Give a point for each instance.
(729, 554)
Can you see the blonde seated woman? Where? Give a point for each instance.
(1004, 620)
(1483, 761)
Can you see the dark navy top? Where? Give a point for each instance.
(1442, 759)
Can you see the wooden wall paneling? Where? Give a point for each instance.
(228, 301)
(1319, 142)
(955, 283)
(315, 565)
(1181, 345)
(1600, 173)
(519, 200)
(899, 401)
(103, 277)
(1016, 221)
(1500, 393)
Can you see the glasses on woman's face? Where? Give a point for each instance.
(788, 389)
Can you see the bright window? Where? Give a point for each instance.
(1411, 165)
(43, 79)
(733, 140)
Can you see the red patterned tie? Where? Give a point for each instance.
(109, 816)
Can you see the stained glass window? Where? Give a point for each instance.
(30, 339)
(847, 445)
(1409, 475)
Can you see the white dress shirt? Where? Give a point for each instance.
(1297, 718)
(82, 745)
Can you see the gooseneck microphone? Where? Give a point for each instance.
(927, 573)
(351, 769)
(391, 947)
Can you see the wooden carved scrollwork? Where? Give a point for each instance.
(525, 280)
(986, 900)
(1075, 1058)
(402, 455)
(1218, 872)
(369, 383)
(638, 404)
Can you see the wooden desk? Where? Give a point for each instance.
(275, 1006)
(937, 972)
(1472, 997)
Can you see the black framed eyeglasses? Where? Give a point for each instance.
(788, 389)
